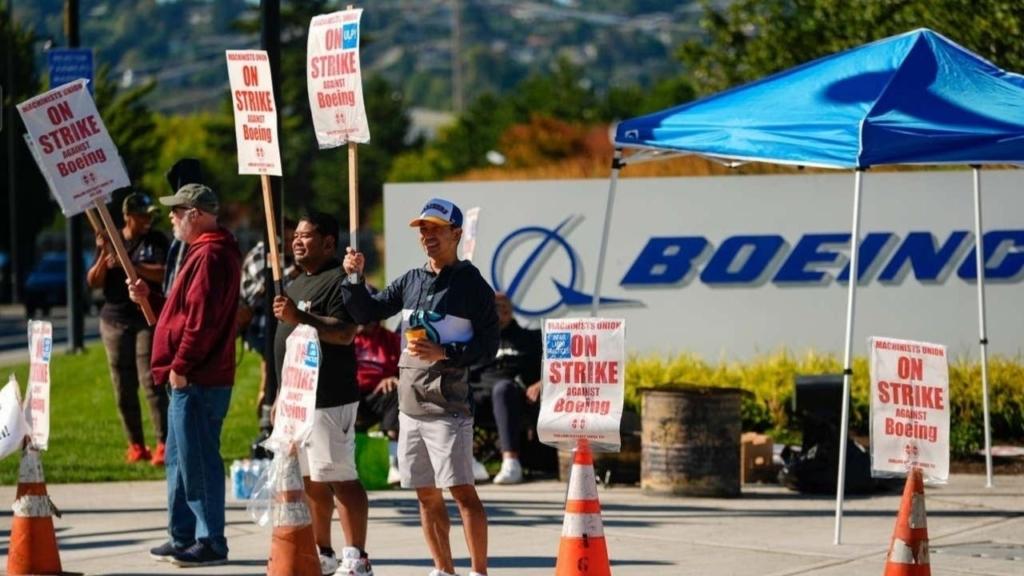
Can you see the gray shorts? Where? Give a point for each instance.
(331, 453)
(435, 451)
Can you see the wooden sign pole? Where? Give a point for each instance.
(353, 192)
(353, 195)
(94, 220)
(268, 209)
(122, 255)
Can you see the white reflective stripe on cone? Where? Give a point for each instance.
(582, 483)
(576, 525)
(922, 553)
(30, 471)
(918, 518)
(32, 506)
(901, 553)
(291, 514)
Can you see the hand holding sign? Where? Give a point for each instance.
(335, 86)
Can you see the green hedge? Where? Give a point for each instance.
(770, 379)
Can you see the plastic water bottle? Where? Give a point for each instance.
(238, 476)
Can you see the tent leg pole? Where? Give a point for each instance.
(613, 184)
(844, 423)
(979, 256)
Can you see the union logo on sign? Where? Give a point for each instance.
(350, 36)
(558, 345)
(312, 356)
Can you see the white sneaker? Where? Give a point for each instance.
(436, 572)
(471, 573)
(328, 564)
(353, 563)
(511, 472)
(480, 471)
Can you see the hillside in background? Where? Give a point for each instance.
(180, 43)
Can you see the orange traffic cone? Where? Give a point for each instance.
(908, 552)
(582, 551)
(33, 547)
(293, 547)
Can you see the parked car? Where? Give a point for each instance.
(46, 284)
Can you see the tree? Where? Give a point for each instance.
(131, 123)
(753, 38)
(35, 208)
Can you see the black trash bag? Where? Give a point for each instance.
(814, 470)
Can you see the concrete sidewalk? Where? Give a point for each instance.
(108, 528)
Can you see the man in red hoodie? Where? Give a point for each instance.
(194, 354)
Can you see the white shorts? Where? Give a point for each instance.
(435, 451)
(330, 455)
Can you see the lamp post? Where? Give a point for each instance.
(12, 202)
(76, 271)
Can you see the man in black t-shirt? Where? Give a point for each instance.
(328, 463)
(126, 335)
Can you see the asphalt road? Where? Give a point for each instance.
(14, 332)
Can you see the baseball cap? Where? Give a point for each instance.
(138, 203)
(193, 196)
(439, 211)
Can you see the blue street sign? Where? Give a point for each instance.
(68, 64)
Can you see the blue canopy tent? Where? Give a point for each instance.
(915, 98)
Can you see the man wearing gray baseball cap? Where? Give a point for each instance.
(194, 354)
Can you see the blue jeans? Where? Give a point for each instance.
(195, 471)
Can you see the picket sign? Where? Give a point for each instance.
(256, 134)
(37, 398)
(909, 408)
(13, 428)
(469, 232)
(79, 160)
(296, 398)
(94, 220)
(335, 85)
(584, 382)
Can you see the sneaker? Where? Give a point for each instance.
(354, 563)
(480, 471)
(137, 453)
(394, 476)
(165, 551)
(198, 554)
(158, 455)
(328, 563)
(511, 472)
(436, 572)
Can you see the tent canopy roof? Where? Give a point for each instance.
(915, 98)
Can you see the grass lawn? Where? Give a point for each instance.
(87, 443)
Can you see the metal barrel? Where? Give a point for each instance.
(691, 441)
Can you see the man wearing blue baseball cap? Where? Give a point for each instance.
(450, 324)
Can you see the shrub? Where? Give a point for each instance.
(769, 380)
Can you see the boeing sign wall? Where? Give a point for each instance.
(736, 266)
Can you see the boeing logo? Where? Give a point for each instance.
(540, 245)
(529, 255)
